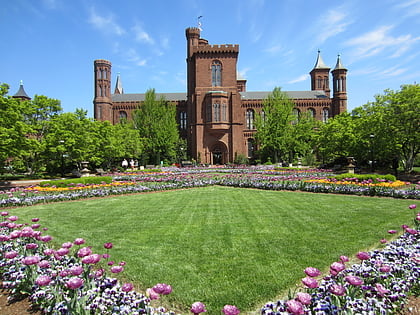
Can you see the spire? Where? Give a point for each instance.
(339, 65)
(319, 62)
(118, 85)
(21, 93)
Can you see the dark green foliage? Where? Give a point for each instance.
(362, 177)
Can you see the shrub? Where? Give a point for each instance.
(362, 177)
(89, 180)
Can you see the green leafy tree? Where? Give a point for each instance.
(155, 120)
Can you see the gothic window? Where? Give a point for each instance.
(216, 73)
(249, 119)
(296, 115)
(183, 120)
(311, 112)
(326, 83)
(208, 112)
(216, 112)
(224, 112)
(250, 145)
(325, 115)
(319, 82)
(123, 115)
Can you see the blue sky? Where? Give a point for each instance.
(51, 44)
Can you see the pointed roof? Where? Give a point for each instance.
(339, 65)
(320, 63)
(118, 85)
(21, 92)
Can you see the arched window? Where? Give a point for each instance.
(123, 115)
(296, 115)
(224, 112)
(319, 82)
(249, 119)
(208, 112)
(183, 120)
(216, 112)
(325, 115)
(251, 148)
(311, 112)
(216, 73)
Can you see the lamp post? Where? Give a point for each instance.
(372, 164)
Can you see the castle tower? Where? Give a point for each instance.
(320, 76)
(102, 102)
(21, 94)
(339, 103)
(213, 100)
(118, 86)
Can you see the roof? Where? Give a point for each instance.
(21, 92)
(339, 65)
(320, 64)
(139, 97)
(291, 94)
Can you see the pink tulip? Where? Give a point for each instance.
(84, 251)
(27, 232)
(197, 308)
(152, 294)
(312, 272)
(337, 289)
(392, 231)
(411, 231)
(295, 307)
(162, 288)
(127, 287)
(45, 238)
(381, 289)
(4, 238)
(62, 251)
(336, 267)
(74, 283)
(13, 218)
(108, 245)
(91, 259)
(363, 255)
(36, 226)
(230, 310)
(43, 280)
(117, 269)
(76, 270)
(310, 282)
(354, 280)
(383, 241)
(385, 268)
(4, 213)
(48, 251)
(79, 241)
(67, 245)
(44, 264)
(10, 255)
(412, 207)
(31, 246)
(344, 259)
(304, 298)
(31, 260)
(35, 219)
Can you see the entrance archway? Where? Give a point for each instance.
(219, 153)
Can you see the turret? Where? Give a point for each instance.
(21, 94)
(339, 88)
(320, 76)
(102, 101)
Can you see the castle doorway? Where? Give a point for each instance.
(219, 154)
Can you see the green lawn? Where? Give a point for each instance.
(223, 245)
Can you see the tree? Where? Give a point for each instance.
(156, 123)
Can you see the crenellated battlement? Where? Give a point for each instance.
(226, 48)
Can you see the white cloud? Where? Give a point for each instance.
(301, 78)
(376, 41)
(411, 7)
(333, 22)
(132, 56)
(105, 24)
(142, 36)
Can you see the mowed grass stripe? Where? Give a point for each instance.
(223, 245)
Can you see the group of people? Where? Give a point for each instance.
(133, 164)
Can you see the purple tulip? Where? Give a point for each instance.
(117, 269)
(363, 255)
(27, 232)
(48, 251)
(197, 308)
(67, 245)
(383, 241)
(76, 270)
(230, 310)
(36, 226)
(4, 213)
(344, 259)
(13, 218)
(392, 231)
(35, 219)
(385, 268)
(10, 255)
(44, 264)
(161, 288)
(152, 294)
(4, 238)
(84, 251)
(337, 289)
(412, 206)
(45, 238)
(31, 246)
(31, 260)
(411, 231)
(108, 245)
(310, 282)
(312, 272)
(381, 289)
(62, 251)
(127, 287)
(79, 241)
(336, 267)
(74, 283)
(43, 280)
(295, 307)
(91, 259)
(354, 280)
(304, 298)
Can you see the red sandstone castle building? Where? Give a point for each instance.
(216, 114)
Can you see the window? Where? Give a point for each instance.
(183, 120)
(216, 112)
(123, 115)
(263, 117)
(216, 73)
(325, 115)
(311, 112)
(249, 119)
(296, 115)
(224, 112)
(208, 112)
(250, 147)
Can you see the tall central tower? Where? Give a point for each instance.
(213, 100)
